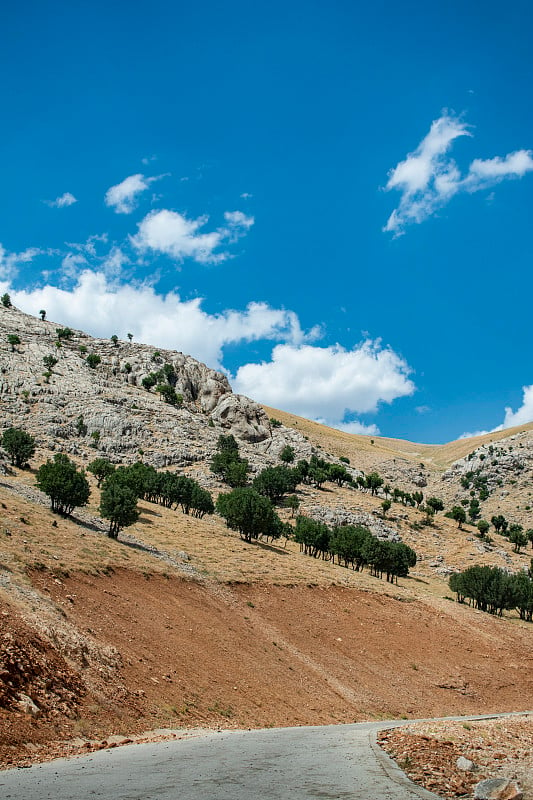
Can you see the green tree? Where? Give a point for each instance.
(130, 336)
(227, 463)
(13, 340)
(169, 395)
(517, 537)
(149, 381)
(6, 300)
(474, 509)
(248, 512)
(19, 445)
(373, 482)
(483, 527)
(64, 333)
(65, 486)
(101, 468)
(118, 504)
(529, 534)
(287, 454)
(49, 362)
(314, 537)
(93, 359)
(292, 502)
(500, 523)
(114, 339)
(274, 482)
(386, 505)
(42, 312)
(338, 474)
(435, 503)
(459, 515)
(418, 498)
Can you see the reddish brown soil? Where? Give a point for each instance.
(428, 752)
(204, 654)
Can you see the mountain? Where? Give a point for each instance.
(180, 623)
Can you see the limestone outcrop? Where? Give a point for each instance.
(81, 394)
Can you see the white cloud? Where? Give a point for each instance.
(123, 196)
(178, 237)
(113, 262)
(492, 170)
(428, 178)
(521, 416)
(359, 428)
(71, 264)
(327, 383)
(99, 306)
(9, 262)
(66, 199)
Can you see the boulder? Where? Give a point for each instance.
(27, 705)
(245, 419)
(497, 789)
(465, 764)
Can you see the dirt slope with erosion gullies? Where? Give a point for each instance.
(179, 623)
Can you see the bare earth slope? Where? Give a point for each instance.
(179, 623)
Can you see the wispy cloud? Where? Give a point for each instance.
(64, 200)
(9, 262)
(122, 197)
(176, 236)
(428, 178)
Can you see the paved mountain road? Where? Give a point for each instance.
(334, 761)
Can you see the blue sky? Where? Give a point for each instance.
(330, 201)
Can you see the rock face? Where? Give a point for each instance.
(244, 418)
(48, 387)
(340, 516)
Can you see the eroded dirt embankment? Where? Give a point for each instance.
(205, 654)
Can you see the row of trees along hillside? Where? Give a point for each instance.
(354, 546)
(493, 590)
(121, 487)
(249, 509)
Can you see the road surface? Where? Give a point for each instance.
(334, 761)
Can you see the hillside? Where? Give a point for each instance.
(103, 637)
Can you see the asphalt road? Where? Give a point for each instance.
(334, 761)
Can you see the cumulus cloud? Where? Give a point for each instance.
(428, 178)
(328, 383)
(521, 416)
(122, 197)
(66, 199)
(176, 236)
(96, 304)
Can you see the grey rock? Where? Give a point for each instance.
(242, 417)
(465, 764)
(497, 789)
(27, 705)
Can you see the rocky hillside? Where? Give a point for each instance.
(101, 637)
(49, 388)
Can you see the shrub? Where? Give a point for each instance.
(93, 359)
